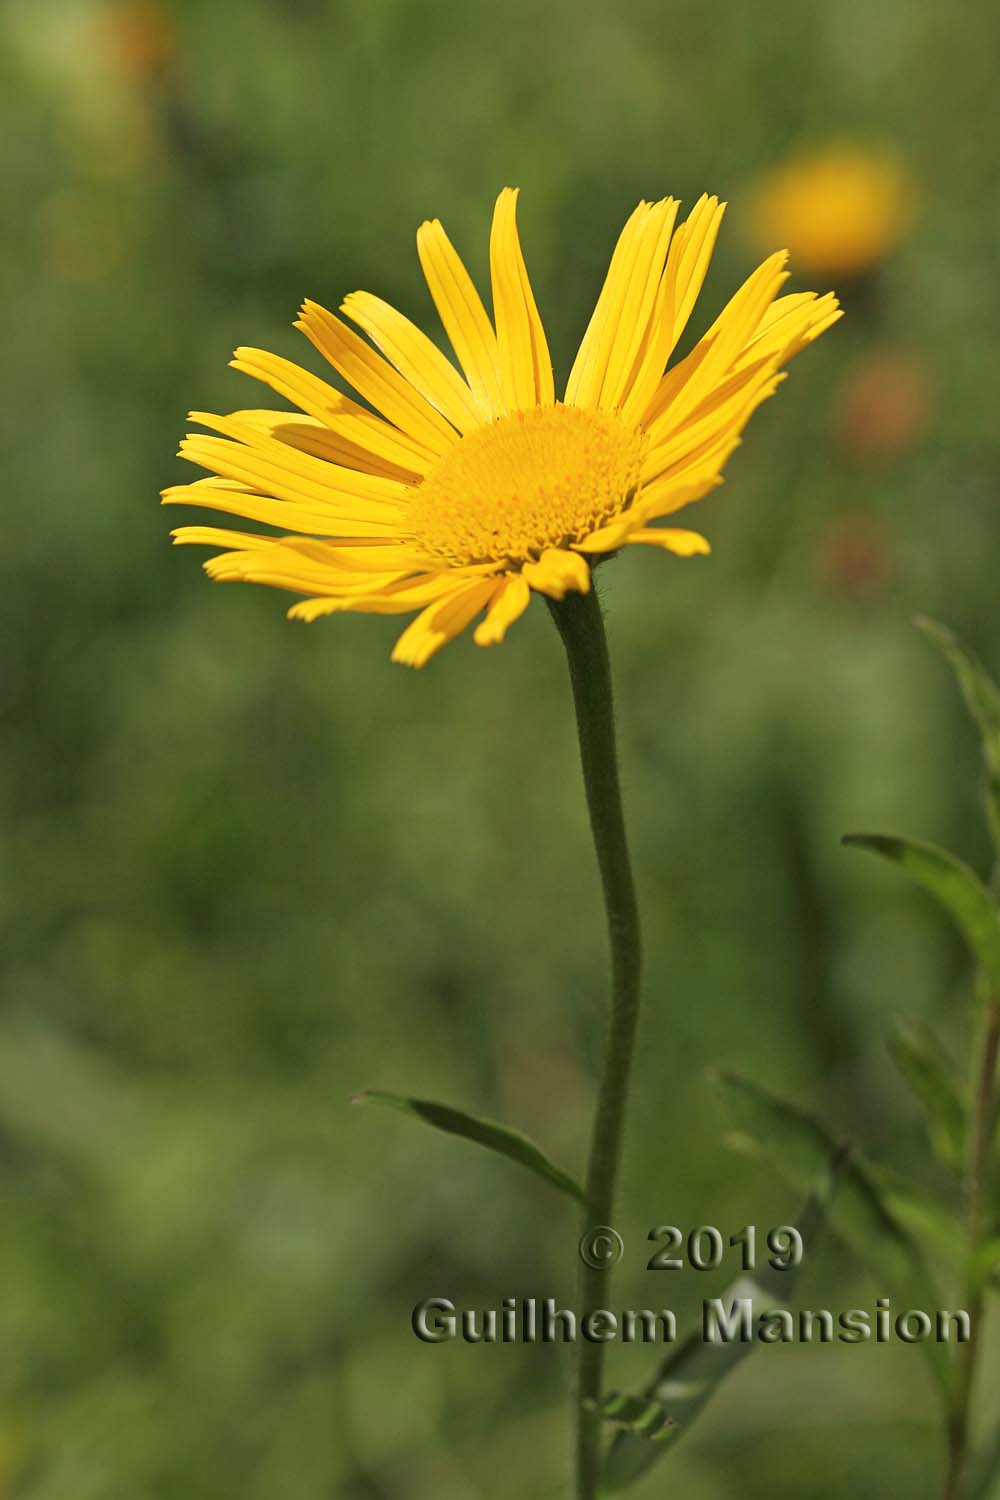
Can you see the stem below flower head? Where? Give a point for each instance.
(982, 1126)
(578, 620)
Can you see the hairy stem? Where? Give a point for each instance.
(981, 1132)
(578, 619)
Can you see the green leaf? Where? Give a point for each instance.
(925, 1066)
(984, 1483)
(637, 1414)
(956, 887)
(692, 1373)
(936, 1226)
(984, 1267)
(982, 697)
(798, 1144)
(495, 1137)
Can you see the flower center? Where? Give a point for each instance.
(535, 479)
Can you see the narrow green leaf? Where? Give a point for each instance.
(984, 1267)
(495, 1137)
(938, 1227)
(798, 1144)
(981, 693)
(925, 1066)
(636, 1414)
(956, 887)
(982, 697)
(984, 1483)
(692, 1373)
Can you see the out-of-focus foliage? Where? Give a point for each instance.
(250, 867)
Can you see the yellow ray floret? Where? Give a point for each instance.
(458, 490)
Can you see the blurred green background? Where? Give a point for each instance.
(250, 866)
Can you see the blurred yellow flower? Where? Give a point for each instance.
(839, 210)
(463, 493)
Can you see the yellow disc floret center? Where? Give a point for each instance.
(549, 477)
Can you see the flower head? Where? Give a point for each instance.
(885, 404)
(458, 494)
(840, 210)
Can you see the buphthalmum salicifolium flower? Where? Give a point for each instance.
(841, 209)
(458, 490)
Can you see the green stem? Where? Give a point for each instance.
(981, 1131)
(578, 620)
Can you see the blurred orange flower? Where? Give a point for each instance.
(839, 210)
(885, 405)
(139, 36)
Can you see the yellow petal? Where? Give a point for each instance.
(509, 602)
(279, 563)
(652, 355)
(440, 623)
(587, 375)
(464, 317)
(687, 263)
(672, 539)
(689, 383)
(335, 410)
(724, 412)
(525, 363)
(215, 482)
(348, 519)
(673, 491)
(789, 324)
(375, 379)
(607, 538)
(394, 596)
(315, 478)
(346, 560)
(295, 576)
(557, 572)
(310, 435)
(416, 358)
(216, 536)
(690, 257)
(619, 323)
(642, 299)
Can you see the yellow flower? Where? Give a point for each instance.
(460, 494)
(840, 210)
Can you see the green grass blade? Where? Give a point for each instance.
(692, 1373)
(956, 887)
(489, 1133)
(925, 1066)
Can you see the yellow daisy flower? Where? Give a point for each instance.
(458, 494)
(840, 209)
